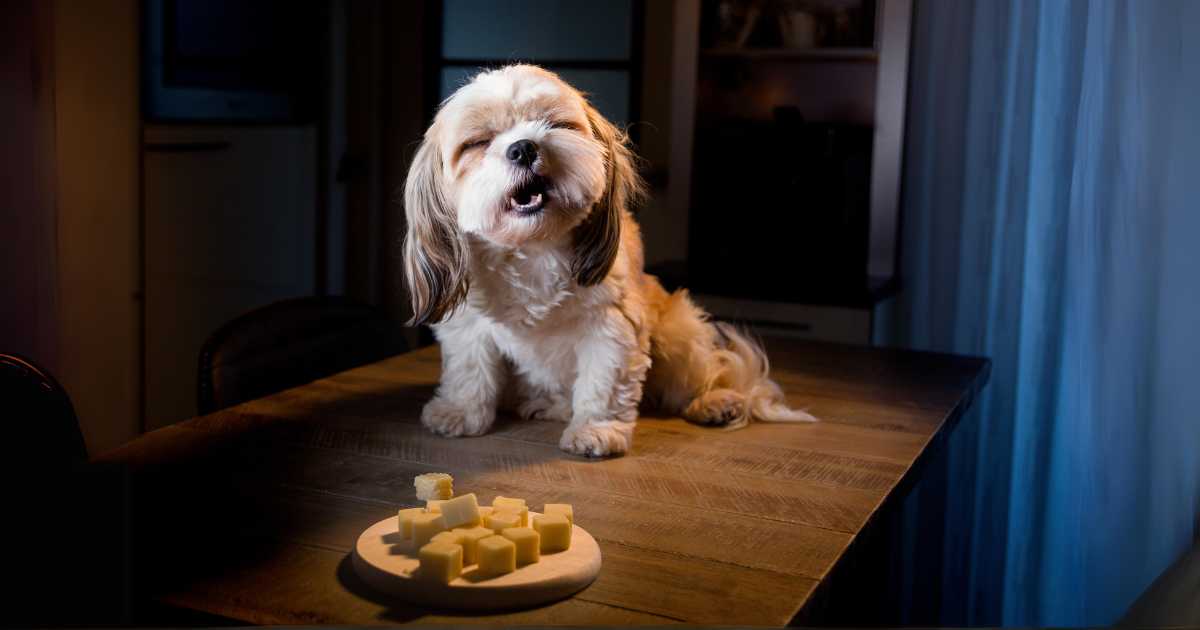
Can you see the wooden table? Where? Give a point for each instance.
(249, 513)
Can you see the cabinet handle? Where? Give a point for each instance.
(186, 147)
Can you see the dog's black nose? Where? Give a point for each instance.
(521, 152)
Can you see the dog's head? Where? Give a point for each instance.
(514, 157)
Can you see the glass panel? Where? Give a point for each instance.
(529, 30)
(608, 90)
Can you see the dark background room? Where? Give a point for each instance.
(966, 232)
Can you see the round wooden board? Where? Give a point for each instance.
(391, 566)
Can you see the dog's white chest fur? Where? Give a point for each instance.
(527, 302)
(523, 289)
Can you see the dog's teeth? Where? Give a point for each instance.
(534, 200)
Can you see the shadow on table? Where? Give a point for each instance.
(396, 611)
(310, 464)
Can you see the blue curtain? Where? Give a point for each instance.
(1052, 223)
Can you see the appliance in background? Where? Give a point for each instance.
(792, 186)
(781, 208)
(231, 60)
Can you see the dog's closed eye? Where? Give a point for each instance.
(468, 146)
(474, 144)
(565, 124)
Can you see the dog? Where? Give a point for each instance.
(523, 256)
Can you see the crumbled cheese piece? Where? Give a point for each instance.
(434, 486)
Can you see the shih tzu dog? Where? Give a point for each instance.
(522, 254)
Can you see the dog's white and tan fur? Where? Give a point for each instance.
(548, 311)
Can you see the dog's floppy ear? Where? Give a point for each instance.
(435, 251)
(599, 236)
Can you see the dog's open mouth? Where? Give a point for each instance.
(529, 198)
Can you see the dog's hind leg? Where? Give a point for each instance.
(716, 407)
(710, 372)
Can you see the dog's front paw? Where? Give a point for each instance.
(597, 440)
(451, 419)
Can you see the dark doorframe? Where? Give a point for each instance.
(386, 88)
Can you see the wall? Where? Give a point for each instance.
(97, 123)
(28, 312)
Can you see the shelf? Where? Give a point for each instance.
(867, 55)
(863, 293)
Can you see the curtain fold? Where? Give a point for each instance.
(1052, 223)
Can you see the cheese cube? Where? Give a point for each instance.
(499, 521)
(522, 514)
(441, 561)
(497, 556)
(555, 531)
(405, 521)
(560, 508)
(425, 527)
(461, 511)
(434, 486)
(502, 502)
(434, 506)
(453, 537)
(470, 542)
(527, 542)
(484, 512)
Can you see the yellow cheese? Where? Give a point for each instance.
(441, 561)
(555, 530)
(484, 512)
(502, 502)
(453, 537)
(425, 527)
(405, 521)
(521, 512)
(434, 486)
(560, 508)
(499, 521)
(461, 511)
(527, 542)
(434, 506)
(497, 556)
(470, 542)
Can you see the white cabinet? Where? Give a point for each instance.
(228, 225)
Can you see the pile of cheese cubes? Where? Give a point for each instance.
(455, 532)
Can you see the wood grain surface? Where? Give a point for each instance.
(696, 524)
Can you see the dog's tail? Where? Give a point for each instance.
(742, 366)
